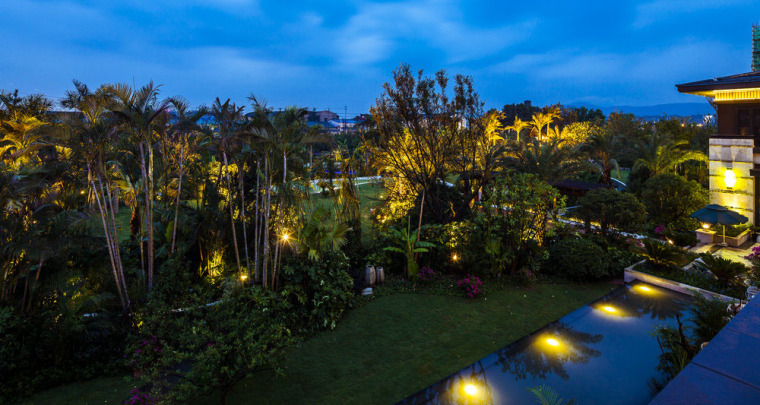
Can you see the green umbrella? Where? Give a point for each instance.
(718, 214)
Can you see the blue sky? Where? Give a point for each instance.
(338, 53)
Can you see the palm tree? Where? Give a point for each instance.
(231, 124)
(139, 109)
(21, 136)
(185, 126)
(601, 148)
(659, 253)
(92, 135)
(541, 120)
(551, 160)
(518, 126)
(661, 154)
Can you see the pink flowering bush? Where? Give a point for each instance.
(426, 274)
(660, 229)
(146, 353)
(471, 285)
(140, 398)
(754, 259)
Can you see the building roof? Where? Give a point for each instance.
(708, 87)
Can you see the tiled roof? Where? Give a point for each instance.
(740, 81)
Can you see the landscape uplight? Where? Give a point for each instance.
(454, 257)
(609, 309)
(552, 342)
(471, 390)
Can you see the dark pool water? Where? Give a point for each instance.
(602, 353)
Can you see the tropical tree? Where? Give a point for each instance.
(138, 110)
(550, 161)
(518, 126)
(661, 154)
(602, 147)
(541, 120)
(408, 244)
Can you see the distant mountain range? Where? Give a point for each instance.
(673, 109)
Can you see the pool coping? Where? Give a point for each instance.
(629, 274)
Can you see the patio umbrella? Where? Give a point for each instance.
(718, 214)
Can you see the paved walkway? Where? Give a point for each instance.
(726, 252)
(726, 371)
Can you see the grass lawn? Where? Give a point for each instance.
(386, 350)
(624, 174)
(369, 197)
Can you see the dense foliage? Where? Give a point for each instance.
(213, 238)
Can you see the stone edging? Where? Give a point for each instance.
(630, 274)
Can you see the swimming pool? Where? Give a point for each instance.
(601, 353)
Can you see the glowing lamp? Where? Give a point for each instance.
(609, 309)
(285, 237)
(552, 342)
(729, 178)
(706, 226)
(471, 390)
(455, 257)
(244, 277)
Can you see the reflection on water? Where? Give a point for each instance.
(541, 357)
(601, 353)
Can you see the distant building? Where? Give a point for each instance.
(322, 116)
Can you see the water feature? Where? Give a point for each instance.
(602, 353)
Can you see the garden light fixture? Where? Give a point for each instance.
(729, 178)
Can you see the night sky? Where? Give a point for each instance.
(338, 53)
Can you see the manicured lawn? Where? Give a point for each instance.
(387, 349)
(402, 343)
(107, 390)
(369, 197)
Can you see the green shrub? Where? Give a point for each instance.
(207, 348)
(577, 259)
(317, 293)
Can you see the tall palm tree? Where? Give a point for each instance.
(231, 125)
(184, 127)
(139, 109)
(602, 147)
(92, 136)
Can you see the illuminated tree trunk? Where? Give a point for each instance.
(265, 230)
(242, 214)
(179, 194)
(232, 217)
(256, 273)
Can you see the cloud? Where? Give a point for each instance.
(616, 77)
(658, 10)
(375, 31)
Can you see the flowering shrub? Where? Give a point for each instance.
(471, 285)
(145, 354)
(426, 274)
(140, 398)
(754, 259)
(660, 229)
